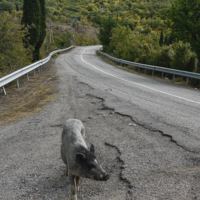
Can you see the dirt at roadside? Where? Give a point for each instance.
(30, 97)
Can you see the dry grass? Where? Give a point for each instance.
(30, 97)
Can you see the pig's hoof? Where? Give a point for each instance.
(73, 197)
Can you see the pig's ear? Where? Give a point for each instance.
(79, 157)
(92, 148)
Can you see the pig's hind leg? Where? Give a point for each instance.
(78, 183)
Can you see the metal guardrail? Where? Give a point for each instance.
(154, 68)
(17, 74)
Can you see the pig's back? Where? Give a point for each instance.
(72, 139)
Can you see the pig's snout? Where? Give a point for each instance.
(104, 177)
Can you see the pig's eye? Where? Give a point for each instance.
(91, 166)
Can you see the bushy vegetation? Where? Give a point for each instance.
(13, 55)
(21, 37)
(185, 23)
(126, 44)
(63, 40)
(153, 38)
(144, 16)
(9, 5)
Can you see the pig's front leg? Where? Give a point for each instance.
(66, 171)
(72, 180)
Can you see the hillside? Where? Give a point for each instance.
(143, 15)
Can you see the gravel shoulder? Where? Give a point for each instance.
(31, 96)
(143, 164)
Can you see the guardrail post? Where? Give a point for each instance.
(173, 77)
(27, 77)
(34, 72)
(39, 69)
(162, 74)
(138, 69)
(153, 73)
(145, 71)
(17, 83)
(4, 91)
(187, 81)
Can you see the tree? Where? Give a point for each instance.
(161, 39)
(34, 14)
(185, 18)
(42, 25)
(17, 7)
(166, 40)
(105, 32)
(6, 6)
(120, 40)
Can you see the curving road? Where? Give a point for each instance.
(158, 105)
(146, 134)
(153, 126)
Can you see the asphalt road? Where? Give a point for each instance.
(145, 131)
(158, 105)
(160, 154)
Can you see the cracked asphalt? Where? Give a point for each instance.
(148, 141)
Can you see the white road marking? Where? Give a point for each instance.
(137, 83)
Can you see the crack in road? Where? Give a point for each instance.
(158, 131)
(129, 192)
(146, 126)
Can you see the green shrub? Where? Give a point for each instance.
(184, 58)
(7, 6)
(63, 41)
(164, 57)
(82, 40)
(13, 55)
